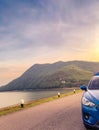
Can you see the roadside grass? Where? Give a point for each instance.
(11, 109)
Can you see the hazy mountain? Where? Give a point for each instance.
(59, 74)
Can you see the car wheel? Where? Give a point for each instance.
(88, 127)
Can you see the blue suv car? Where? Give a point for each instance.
(90, 103)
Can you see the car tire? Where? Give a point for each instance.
(88, 127)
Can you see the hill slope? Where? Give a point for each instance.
(59, 74)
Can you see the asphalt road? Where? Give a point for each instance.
(61, 114)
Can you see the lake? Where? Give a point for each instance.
(13, 98)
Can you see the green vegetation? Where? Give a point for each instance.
(12, 109)
(57, 75)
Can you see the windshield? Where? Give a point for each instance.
(94, 83)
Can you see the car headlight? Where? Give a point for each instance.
(86, 102)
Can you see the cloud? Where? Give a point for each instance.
(51, 24)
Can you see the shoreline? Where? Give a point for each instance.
(47, 89)
(14, 108)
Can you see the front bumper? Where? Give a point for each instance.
(90, 116)
(93, 127)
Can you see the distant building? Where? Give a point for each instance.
(63, 82)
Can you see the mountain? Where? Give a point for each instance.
(56, 75)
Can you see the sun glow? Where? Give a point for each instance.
(95, 45)
(95, 50)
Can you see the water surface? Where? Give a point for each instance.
(13, 98)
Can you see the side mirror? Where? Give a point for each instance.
(83, 87)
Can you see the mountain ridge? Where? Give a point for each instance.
(55, 75)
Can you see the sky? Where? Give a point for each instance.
(46, 31)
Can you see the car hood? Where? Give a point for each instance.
(93, 95)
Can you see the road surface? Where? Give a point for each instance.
(61, 114)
